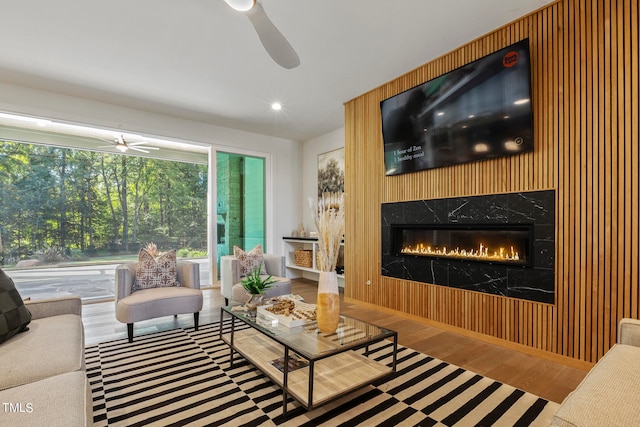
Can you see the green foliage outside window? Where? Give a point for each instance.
(73, 203)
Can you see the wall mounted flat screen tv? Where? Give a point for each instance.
(478, 111)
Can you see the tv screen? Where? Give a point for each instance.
(478, 111)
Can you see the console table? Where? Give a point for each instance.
(323, 366)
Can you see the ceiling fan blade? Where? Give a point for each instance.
(272, 39)
(140, 149)
(133, 144)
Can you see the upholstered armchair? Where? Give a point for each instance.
(135, 306)
(233, 291)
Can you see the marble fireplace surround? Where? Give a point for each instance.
(536, 208)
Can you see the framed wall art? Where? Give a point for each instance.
(331, 172)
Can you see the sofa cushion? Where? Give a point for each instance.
(152, 273)
(14, 316)
(249, 261)
(62, 400)
(608, 395)
(52, 346)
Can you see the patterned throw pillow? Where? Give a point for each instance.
(156, 274)
(14, 316)
(251, 260)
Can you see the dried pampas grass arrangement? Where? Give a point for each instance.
(329, 220)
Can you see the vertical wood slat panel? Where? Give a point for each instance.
(635, 156)
(622, 287)
(584, 59)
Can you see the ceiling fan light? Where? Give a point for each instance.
(123, 148)
(241, 5)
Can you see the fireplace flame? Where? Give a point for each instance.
(482, 252)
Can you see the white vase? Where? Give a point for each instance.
(328, 303)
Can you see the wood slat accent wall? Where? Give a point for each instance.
(584, 57)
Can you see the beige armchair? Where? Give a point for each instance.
(147, 304)
(233, 291)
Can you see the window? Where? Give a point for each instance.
(79, 208)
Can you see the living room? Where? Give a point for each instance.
(585, 103)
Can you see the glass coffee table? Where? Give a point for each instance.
(321, 367)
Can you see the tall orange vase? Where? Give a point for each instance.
(328, 304)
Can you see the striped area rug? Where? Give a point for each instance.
(182, 377)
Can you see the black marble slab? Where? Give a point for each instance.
(534, 283)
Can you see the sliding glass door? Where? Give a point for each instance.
(240, 216)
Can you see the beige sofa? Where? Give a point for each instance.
(610, 393)
(42, 370)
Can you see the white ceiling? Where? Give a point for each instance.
(201, 60)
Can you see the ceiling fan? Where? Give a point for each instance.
(120, 144)
(272, 39)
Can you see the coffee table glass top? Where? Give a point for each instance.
(308, 341)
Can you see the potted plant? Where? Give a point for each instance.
(255, 285)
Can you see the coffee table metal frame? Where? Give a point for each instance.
(334, 346)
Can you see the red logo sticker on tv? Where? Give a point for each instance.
(510, 59)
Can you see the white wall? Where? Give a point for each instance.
(310, 150)
(285, 187)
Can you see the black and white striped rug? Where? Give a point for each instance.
(182, 377)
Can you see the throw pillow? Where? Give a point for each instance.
(152, 273)
(251, 260)
(14, 316)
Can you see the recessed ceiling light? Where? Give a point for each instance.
(276, 106)
(241, 5)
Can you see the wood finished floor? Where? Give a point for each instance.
(548, 379)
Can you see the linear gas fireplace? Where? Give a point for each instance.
(501, 244)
